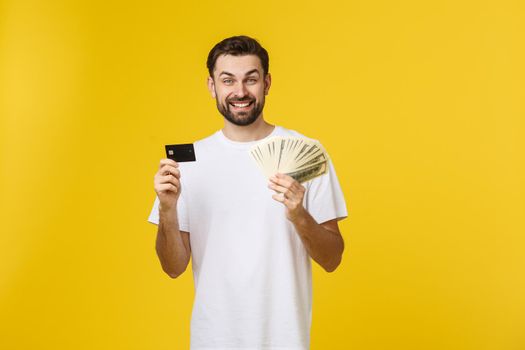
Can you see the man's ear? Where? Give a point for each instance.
(211, 87)
(267, 83)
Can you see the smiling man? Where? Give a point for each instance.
(251, 249)
(240, 109)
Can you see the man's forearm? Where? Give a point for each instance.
(170, 247)
(324, 246)
(323, 242)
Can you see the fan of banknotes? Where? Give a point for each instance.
(302, 159)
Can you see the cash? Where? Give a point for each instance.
(302, 159)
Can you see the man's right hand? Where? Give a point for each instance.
(167, 183)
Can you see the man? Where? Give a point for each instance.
(250, 240)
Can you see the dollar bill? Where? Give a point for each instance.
(309, 173)
(303, 158)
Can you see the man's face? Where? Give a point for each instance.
(239, 87)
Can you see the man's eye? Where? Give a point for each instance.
(252, 81)
(227, 81)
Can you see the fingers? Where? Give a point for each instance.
(167, 177)
(289, 192)
(286, 181)
(283, 180)
(279, 188)
(291, 204)
(287, 185)
(279, 197)
(168, 169)
(167, 161)
(170, 184)
(166, 187)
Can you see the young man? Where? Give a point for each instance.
(250, 239)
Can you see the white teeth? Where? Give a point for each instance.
(241, 105)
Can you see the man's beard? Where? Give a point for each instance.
(241, 118)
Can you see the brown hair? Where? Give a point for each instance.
(238, 46)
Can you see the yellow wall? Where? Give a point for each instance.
(419, 103)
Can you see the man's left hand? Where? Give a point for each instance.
(290, 192)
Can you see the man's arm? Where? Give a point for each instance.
(173, 246)
(323, 242)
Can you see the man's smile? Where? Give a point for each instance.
(242, 105)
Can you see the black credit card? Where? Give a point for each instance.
(181, 153)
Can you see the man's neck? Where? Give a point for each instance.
(259, 129)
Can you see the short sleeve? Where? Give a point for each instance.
(324, 199)
(182, 212)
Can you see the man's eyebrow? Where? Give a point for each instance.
(227, 73)
(252, 71)
(255, 70)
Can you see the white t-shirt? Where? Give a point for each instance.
(251, 272)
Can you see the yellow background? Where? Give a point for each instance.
(419, 103)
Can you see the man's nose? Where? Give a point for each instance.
(240, 90)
